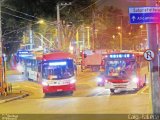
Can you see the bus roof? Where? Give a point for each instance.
(57, 56)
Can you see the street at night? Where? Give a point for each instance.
(79, 60)
(87, 99)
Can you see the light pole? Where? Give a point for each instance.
(77, 39)
(0, 31)
(154, 65)
(1, 59)
(120, 34)
(141, 27)
(31, 36)
(129, 37)
(58, 27)
(88, 37)
(113, 36)
(3, 84)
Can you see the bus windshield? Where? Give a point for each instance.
(57, 69)
(120, 68)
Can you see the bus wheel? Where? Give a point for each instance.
(29, 79)
(112, 90)
(70, 92)
(46, 94)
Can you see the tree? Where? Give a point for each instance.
(30, 11)
(107, 21)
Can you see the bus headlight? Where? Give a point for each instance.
(20, 68)
(44, 83)
(135, 79)
(73, 80)
(99, 79)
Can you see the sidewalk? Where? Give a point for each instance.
(13, 72)
(13, 96)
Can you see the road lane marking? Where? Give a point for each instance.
(147, 87)
(142, 90)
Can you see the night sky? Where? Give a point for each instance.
(122, 4)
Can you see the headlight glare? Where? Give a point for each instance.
(44, 83)
(99, 79)
(73, 80)
(135, 79)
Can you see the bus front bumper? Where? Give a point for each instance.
(51, 89)
(121, 86)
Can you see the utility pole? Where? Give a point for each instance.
(121, 33)
(1, 59)
(31, 36)
(94, 29)
(155, 81)
(83, 36)
(59, 23)
(42, 41)
(1, 56)
(58, 27)
(0, 31)
(3, 84)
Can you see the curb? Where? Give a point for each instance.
(14, 98)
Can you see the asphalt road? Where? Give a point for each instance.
(87, 99)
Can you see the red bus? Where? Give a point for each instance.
(124, 71)
(58, 72)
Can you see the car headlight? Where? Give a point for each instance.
(99, 79)
(135, 80)
(44, 83)
(73, 80)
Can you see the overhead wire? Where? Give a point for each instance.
(16, 16)
(19, 12)
(26, 14)
(34, 16)
(89, 5)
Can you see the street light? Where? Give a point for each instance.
(40, 22)
(118, 27)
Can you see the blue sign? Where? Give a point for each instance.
(143, 15)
